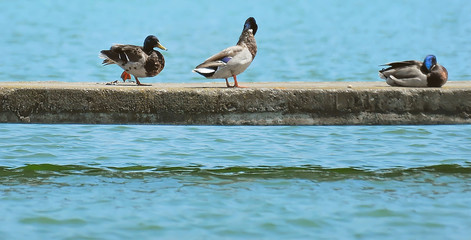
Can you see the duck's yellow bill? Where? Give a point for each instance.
(161, 47)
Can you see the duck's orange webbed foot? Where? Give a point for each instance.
(236, 84)
(139, 83)
(125, 76)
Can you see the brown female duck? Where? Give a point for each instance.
(136, 60)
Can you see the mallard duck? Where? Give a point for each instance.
(233, 60)
(135, 60)
(414, 73)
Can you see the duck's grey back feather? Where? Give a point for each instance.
(405, 73)
(404, 69)
(215, 60)
(403, 64)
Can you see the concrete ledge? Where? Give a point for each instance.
(289, 103)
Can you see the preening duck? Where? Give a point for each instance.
(414, 73)
(233, 60)
(136, 60)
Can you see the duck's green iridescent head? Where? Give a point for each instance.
(430, 61)
(250, 23)
(152, 42)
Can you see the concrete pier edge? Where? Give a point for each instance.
(277, 103)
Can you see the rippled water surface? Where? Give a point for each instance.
(207, 182)
(108, 181)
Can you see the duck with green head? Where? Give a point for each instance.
(414, 73)
(136, 60)
(233, 60)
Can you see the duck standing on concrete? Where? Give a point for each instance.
(135, 60)
(233, 60)
(414, 73)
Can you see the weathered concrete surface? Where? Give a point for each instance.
(289, 103)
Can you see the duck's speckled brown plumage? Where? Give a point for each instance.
(154, 64)
(136, 60)
(438, 76)
(247, 38)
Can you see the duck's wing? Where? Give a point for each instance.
(221, 58)
(403, 64)
(417, 81)
(405, 73)
(404, 69)
(123, 54)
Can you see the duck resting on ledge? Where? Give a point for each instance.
(233, 60)
(135, 60)
(414, 73)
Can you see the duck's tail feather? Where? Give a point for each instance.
(107, 60)
(206, 72)
(381, 74)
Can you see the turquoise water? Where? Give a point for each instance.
(247, 182)
(297, 41)
(200, 182)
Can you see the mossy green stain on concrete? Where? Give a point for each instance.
(288, 103)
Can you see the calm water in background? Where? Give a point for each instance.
(298, 41)
(118, 182)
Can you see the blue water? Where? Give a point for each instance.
(297, 41)
(213, 182)
(121, 182)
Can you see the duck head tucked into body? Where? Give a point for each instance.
(414, 73)
(136, 60)
(233, 60)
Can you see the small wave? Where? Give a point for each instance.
(53, 221)
(264, 172)
(40, 156)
